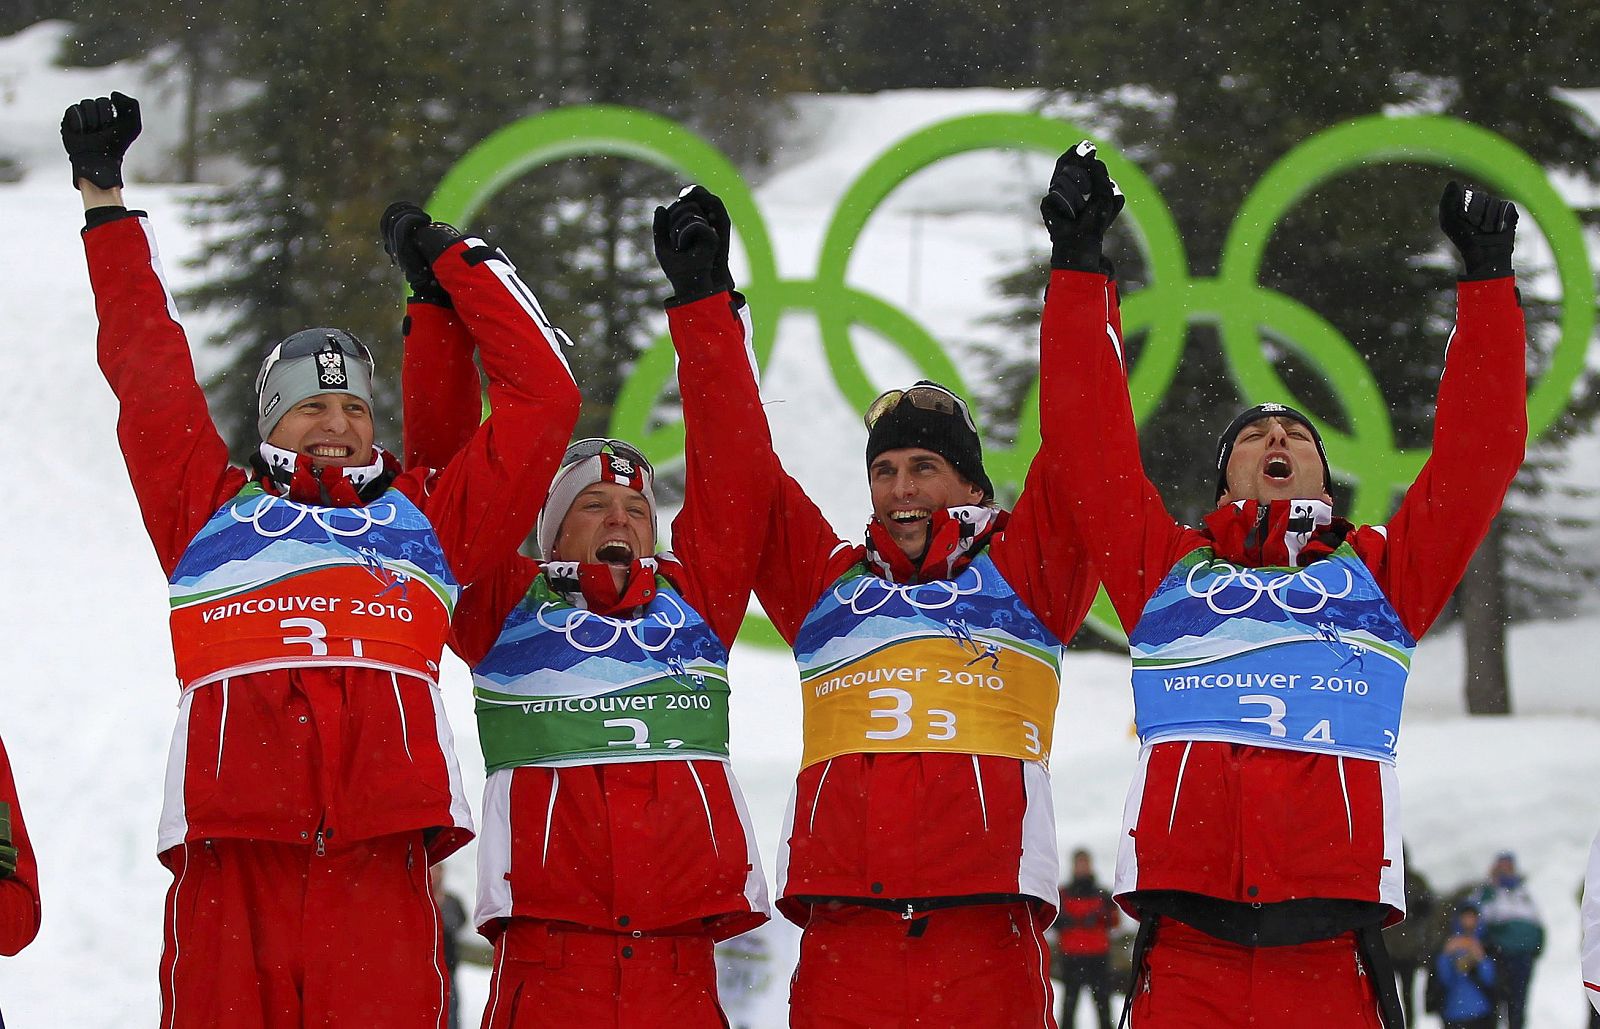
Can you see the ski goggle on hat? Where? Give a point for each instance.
(924, 397)
(586, 462)
(308, 363)
(594, 446)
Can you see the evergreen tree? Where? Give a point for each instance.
(350, 105)
(862, 46)
(183, 41)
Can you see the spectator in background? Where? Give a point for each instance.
(1513, 934)
(1407, 941)
(1083, 941)
(453, 916)
(1467, 976)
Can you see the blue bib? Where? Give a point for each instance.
(563, 685)
(269, 582)
(1310, 659)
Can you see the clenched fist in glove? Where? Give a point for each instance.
(97, 133)
(413, 240)
(1082, 203)
(1483, 228)
(692, 238)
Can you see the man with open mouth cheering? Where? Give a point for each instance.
(920, 849)
(616, 848)
(1271, 645)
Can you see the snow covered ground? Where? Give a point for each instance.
(89, 702)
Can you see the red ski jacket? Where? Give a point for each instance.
(1246, 825)
(19, 893)
(924, 830)
(1084, 920)
(635, 846)
(301, 754)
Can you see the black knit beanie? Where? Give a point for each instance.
(945, 433)
(1255, 414)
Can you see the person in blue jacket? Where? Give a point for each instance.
(1466, 974)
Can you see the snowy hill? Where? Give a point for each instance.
(90, 697)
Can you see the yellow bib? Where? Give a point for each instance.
(957, 666)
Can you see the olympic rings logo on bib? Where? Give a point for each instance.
(359, 520)
(656, 624)
(1248, 581)
(945, 592)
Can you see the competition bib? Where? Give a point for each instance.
(563, 685)
(273, 583)
(1310, 659)
(959, 666)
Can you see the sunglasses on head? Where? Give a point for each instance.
(307, 342)
(924, 397)
(594, 446)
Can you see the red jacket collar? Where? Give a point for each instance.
(1279, 533)
(287, 473)
(956, 536)
(593, 587)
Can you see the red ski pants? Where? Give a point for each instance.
(272, 936)
(1196, 981)
(558, 974)
(980, 965)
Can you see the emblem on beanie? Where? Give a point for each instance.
(330, 369)
(1273, 408)
(620, 466)
(271, 404)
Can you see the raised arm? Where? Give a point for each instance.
(801, 556)
(176, 459)
(1086, 418)
(730, 468)
(485, 500)
(1480, 427)
(441, 390)
(442, 396)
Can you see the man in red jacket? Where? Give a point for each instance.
(616, 847)
(1271, 646)
(312, 777)
(920, 852)
(1084, 920)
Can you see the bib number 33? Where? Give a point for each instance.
(939, 724)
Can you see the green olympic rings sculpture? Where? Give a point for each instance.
(1243, 311)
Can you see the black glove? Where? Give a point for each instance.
(692, 237)
(413, 240)
(1082, 203)
(1483, 228)
(96, 134)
